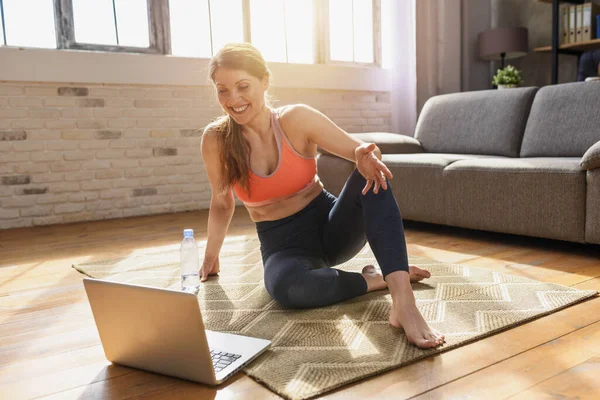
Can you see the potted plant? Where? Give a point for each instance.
(508, 77)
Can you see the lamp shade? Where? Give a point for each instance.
(511, 41)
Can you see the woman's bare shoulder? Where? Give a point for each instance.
(212, 129)
(292, 116)
(210, 135)
(292, 111)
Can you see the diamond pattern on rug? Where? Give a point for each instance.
(316, 350)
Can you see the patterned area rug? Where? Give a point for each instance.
(315, 351)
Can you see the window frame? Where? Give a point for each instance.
(325, 39)
(159, 30)
(160, 36)
(3, 42)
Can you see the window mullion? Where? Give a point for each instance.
(246, 18)
(377, 29)
(63, 21)
(3, 24)
(115, 19)
(325, 35)
(159, 26)
(210, 33)
(318, 29)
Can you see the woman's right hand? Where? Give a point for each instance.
(210, 266)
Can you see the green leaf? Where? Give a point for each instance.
(507, 76)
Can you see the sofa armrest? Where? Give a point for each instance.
(388, 143)
(591, 158)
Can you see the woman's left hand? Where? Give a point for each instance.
(371, 168)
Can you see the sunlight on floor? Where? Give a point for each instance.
(231, 242)
(437, 254)
(355, 338)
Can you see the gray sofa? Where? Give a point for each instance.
(523, 161)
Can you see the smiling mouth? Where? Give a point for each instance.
(239, 110)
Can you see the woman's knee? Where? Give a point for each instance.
(282, 286)
(285, 295)
(358, 182)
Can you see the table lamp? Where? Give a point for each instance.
(503, 44)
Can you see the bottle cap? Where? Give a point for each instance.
(188, 233)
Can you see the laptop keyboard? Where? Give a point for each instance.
(222, 359)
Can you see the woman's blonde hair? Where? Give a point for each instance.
(233, 147)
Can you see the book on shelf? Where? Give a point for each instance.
(578, 22)
(564, 19)
(589, 21)
(572, 25)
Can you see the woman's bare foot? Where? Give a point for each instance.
(374, 279)
(406, 315)
(417, 274)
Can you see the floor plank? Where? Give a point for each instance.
(578, 382)
(516, 374)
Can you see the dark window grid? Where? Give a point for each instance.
(115, 21)
(158, 29)
(3, 23)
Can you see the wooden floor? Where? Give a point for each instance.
(49, 345)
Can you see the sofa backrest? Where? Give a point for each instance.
(564, 120)
(489, 122)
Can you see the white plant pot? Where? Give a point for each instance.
(510, 86)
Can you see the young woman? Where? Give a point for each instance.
(267, 157)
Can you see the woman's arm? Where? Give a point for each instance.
(317, 128)
(221, 209)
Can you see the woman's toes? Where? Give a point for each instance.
(417, 274)
(425, 343)
(369, 269)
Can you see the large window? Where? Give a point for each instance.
(111, 22)
(351, 30)
(292, 31)
(112, 25)
(200, 27)
(28, 23)
(283, 30)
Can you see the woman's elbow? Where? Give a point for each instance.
(223, 203)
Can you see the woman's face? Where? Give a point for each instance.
(240, 94)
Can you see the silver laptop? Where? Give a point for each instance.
(161, 330)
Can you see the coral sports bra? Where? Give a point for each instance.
(294, 173)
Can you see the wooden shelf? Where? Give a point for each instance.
(562, 1)
(580, 46)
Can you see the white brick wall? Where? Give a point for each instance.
(72, 153)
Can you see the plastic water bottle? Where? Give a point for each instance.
(190, 263)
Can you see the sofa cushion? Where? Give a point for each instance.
(542, 197)
(333, 172)
(417, 183)
(564, 121)
(483, 122)
(391, 143)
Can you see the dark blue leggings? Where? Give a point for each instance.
(298, 251)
